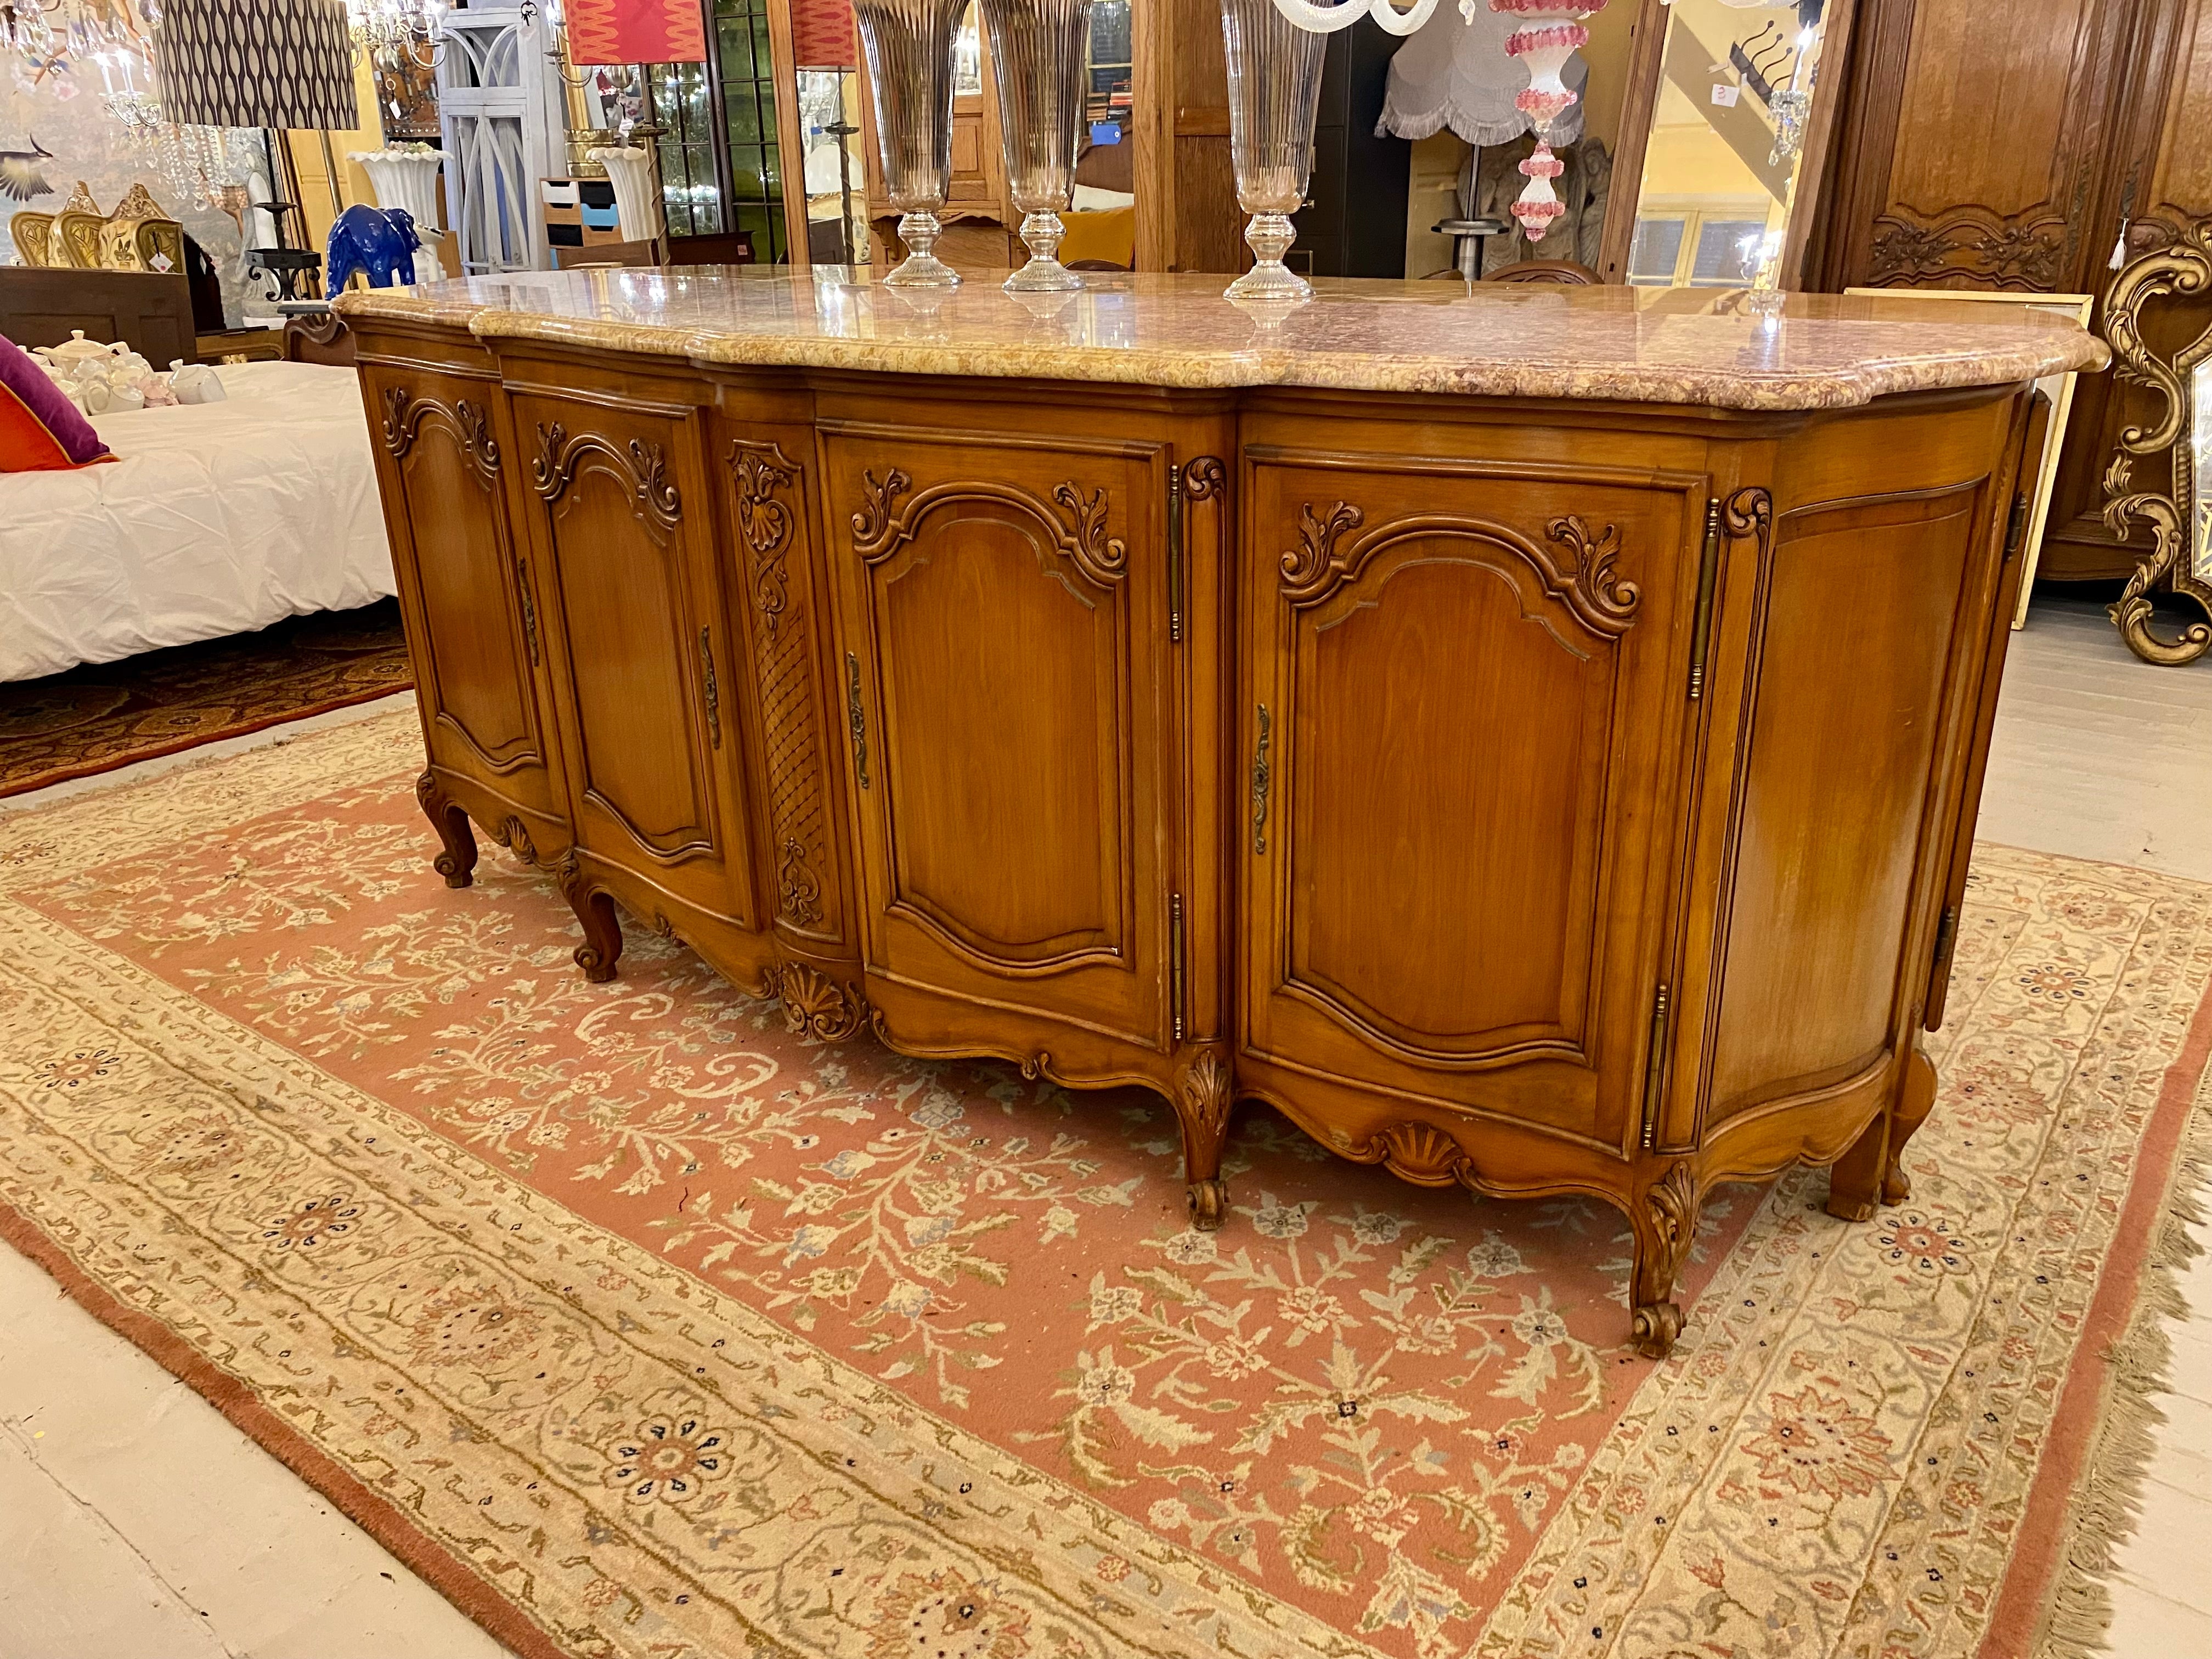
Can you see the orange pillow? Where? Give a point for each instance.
(40, 429)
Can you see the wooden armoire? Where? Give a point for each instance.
(2005, 147)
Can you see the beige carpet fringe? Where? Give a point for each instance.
(2108, 1500)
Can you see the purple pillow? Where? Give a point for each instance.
(40, 429)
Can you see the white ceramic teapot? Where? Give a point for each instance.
(72, 353)
(195, 383)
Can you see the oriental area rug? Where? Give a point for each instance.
(641, 1327)
(100, 716)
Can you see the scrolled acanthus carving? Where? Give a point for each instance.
(2025, 253)
(2183, 269)
(1204, 479)
(1312, 568)
(1672, 1205)
(1207, 1090)
(873, 523)
(799, 894)
(1589, 586)
(1097, 552)
(1749, 512)
(879, 531)
(1594, 583)
(761, 472)
(403, 415)
(642, 468)
(814, 1004)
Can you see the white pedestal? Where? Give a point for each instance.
(408, 179)
(637, 195)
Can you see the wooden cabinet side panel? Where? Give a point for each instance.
(1866, 620)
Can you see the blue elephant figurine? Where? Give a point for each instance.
(380, 242)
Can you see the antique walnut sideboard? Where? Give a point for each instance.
(1531, 739)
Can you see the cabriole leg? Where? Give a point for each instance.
(1665, 1219)
(1872, 1171)
(1203, 1094)
(602, 941)
(459, 860)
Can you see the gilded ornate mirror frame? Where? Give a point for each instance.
(1646, 67)
(2180, 559)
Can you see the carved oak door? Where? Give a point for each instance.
(646, 673)
(1465, 713)
(465, 586)
(1003, 613)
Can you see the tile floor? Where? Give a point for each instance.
(136, 1524)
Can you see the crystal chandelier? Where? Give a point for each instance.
(388, 30)
(53, 44)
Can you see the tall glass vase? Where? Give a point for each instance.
(908, 45)
(1274, 93)
(1038, 53)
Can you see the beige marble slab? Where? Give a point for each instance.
(1642, 345)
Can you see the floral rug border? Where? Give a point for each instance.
(2056, 1602)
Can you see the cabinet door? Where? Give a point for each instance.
(1003, 613)
(466, 595)
(1466, 697)
(643, 656)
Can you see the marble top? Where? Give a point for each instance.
(1699, 346)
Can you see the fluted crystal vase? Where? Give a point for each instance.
(909, 48)
(1274, 93)
(1038, 53)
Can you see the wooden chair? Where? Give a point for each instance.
(33, 234)
(1545, 270)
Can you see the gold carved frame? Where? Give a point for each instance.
(2181, 523)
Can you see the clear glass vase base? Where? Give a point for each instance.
(1271, 279)
(923, 270)
(1043, 276)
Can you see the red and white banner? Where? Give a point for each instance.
(636, 31)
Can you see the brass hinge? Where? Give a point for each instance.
(1655, 1070)
(1947, 932)
(1259, 786)
(1701, 630)
(713, 691)
(529, 608)
(1174, 961)
(1175, 552)
(859, 717)
(2014, 526)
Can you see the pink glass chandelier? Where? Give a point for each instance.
(1550, 31)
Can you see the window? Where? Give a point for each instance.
(752, 192)
(1655, 252)
(690, 186)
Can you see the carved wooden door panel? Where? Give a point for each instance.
(465, 586)
(1974, 140)
(1003, 613)
(1466, 710)
(644, 664)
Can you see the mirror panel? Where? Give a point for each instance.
(1716, 132)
